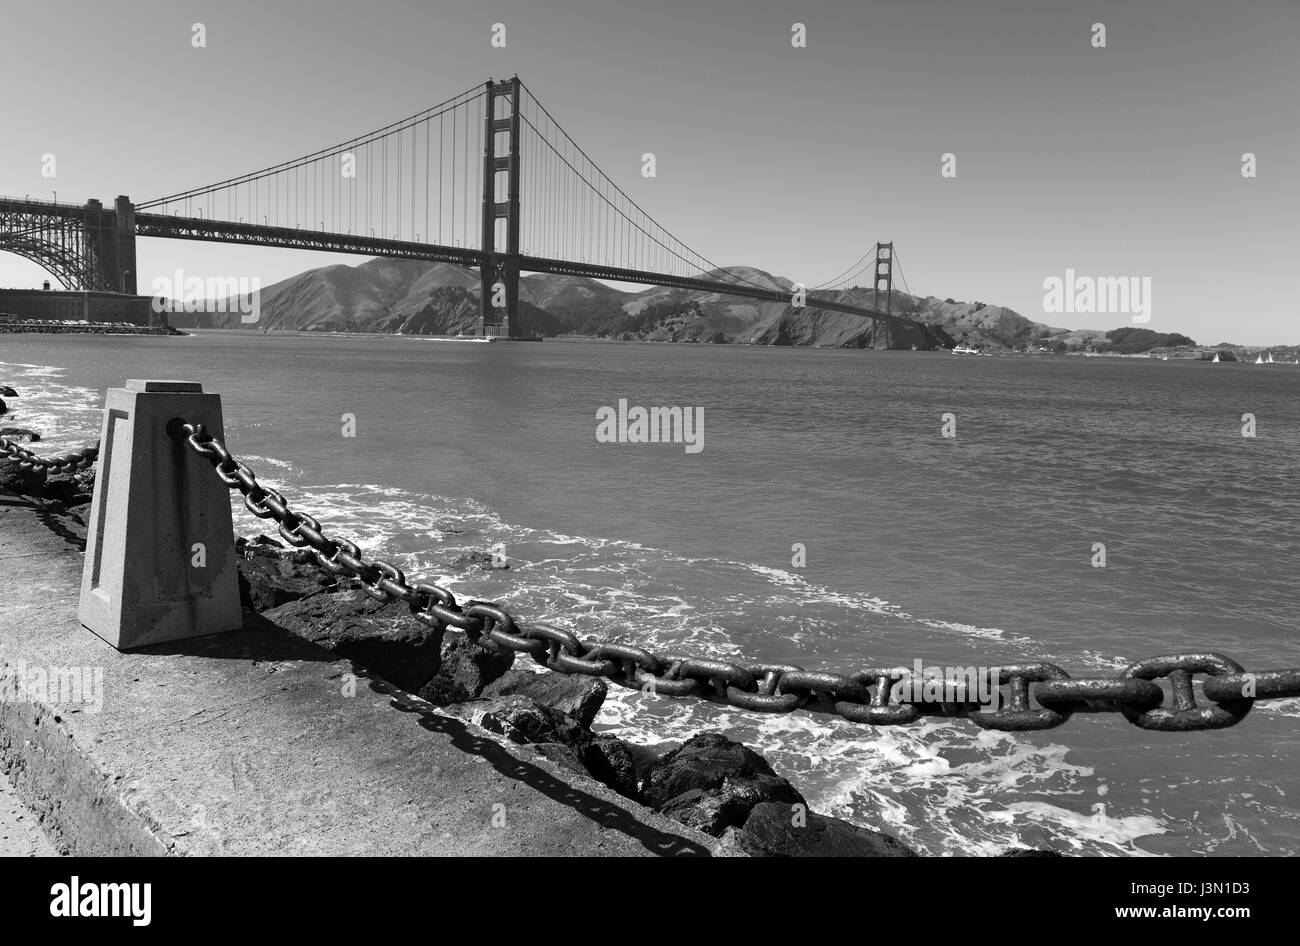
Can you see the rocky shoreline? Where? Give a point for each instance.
(15, 324)
(710, 782)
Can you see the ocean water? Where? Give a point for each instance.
(973, 550)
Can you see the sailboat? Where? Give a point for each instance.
(1259, 359)
(1270, 359)
(1215, 359)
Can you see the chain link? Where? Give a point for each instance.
(871, 696)
(62, 463)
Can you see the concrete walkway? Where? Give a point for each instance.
(20, 835)
(258, 742)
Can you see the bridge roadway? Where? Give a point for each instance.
(173, 227)
(245, 744)
(199, 228)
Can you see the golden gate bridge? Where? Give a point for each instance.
(487, 179)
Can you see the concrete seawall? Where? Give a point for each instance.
(247, 744)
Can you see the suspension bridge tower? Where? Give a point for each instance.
(499, 274)
(884, 278)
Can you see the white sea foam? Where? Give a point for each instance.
(64, 415)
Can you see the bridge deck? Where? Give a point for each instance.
(174, 227)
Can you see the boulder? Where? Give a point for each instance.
(85, 480)
(20, 433)
(566, 756)
(16, 478)
(482, 560)
(6, 391)
(270, 575)
(554, 735)
(265, 540)
(1029, 852)
(613, 762)
(523, 720)
(381, 636)
(775, 829)
(712, 783)
(466, 669)
(71, 489)
(579, 696)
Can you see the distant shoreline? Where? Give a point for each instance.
(1193, 354)
(1244, 354)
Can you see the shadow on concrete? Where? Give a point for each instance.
(51, 514)
(264, 640)
(608, 816)
(259, 640)
(56, 519)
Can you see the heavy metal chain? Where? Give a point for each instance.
(62, 463)
(868, 696)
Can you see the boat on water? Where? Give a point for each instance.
(965, 350)
(1259, 359)
(1270, 359)
(1215, 359)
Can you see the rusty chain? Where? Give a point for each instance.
(867, 696)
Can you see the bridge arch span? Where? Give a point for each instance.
(84, 247)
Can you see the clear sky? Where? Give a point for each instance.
(1116, 161)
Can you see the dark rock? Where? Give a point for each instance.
(566, 756)
(522, 720)
(6, 391)
(79, 513)
(19, 479)
(712, 783)
(21, 433)
(4, 408)
(59, 486)
(554, 735)
(71, 489)
(381, 636)
(579, 696)
(270, 576)
(467, 667)
(1029, 852)
(85, 480)
(481, 560)
(613, 762)
(775, 829)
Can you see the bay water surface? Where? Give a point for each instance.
(975, 550)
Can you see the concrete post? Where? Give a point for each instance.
(160, 549)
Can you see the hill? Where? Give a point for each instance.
(416, 298)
